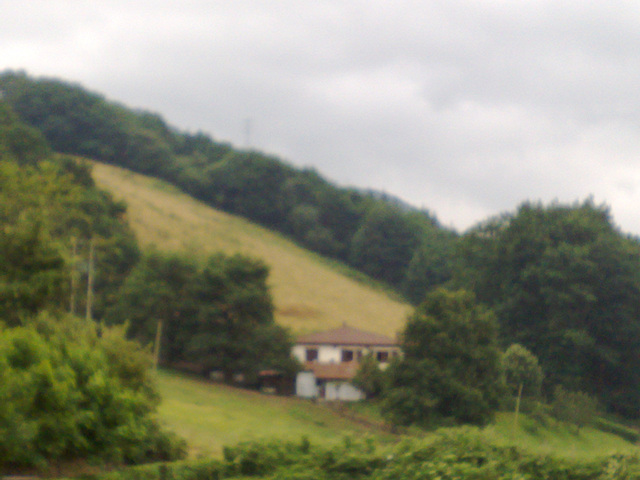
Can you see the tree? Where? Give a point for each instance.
(451, 363)
(384, 243)
(218, 316)
(577, 408)
(521, 370)
(565, 283)
(369, 377)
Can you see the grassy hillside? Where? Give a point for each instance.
(310, 293)
(210, 416)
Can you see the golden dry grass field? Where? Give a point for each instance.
(310, 293)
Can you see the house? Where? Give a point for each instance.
(330, 360)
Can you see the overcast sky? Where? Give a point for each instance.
(466, 108)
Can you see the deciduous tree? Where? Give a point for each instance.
(451, 363)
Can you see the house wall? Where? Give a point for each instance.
(299, 352)
(333, 353)
(306, 385)
(326, 353)
(342, 391)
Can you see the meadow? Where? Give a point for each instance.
(310, 292)
(210, 416)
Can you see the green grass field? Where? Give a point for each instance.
(556, 438)
(210, 416)
(310, 293)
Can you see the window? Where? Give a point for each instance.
(347, 355)
(312, 354)
(382, 357)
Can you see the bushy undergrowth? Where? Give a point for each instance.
(69, 391)
(461, 454)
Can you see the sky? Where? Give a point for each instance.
(464, 108)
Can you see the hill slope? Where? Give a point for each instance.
(310, 293)
(210, 416)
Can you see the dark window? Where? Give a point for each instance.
(382, 356)
(347, 355)
(312, 354)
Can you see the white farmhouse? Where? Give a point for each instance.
(331, 360)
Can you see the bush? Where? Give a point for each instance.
(578, 408)
(460, 453)
(68, 392)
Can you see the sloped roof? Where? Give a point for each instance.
(333, 371)
(346, 335)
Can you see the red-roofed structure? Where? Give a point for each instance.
(331, 360)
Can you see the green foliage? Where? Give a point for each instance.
(369, 377)
(462, 454)
(577, 408)
(451, 363)
(218, 316)
(384, 243)
(522, 371)
(48, 204)
(69, 390)
(565, 283)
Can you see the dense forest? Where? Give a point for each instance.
(562, 280)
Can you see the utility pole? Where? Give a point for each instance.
(156, 347)
(90, 275)
(74, 275)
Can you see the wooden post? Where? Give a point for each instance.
(515, 416)
(74, 275)
(156, 347)
(90, 275)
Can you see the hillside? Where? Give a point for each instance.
(210, 416)
(310, 293)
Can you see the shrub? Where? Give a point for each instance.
(578, 408)
(68, 392)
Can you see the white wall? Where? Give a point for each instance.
(342, 391)
(306, 385)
